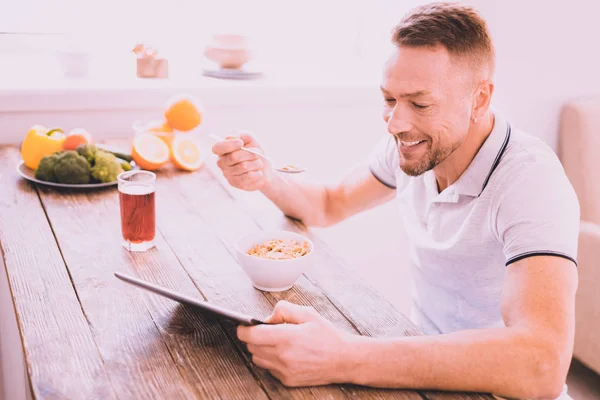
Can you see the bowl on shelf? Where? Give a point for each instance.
(228, 50)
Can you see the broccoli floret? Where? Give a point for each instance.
(72, 168)
(45, 169)
(106, 167)
(88, 151)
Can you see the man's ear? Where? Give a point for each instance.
(482, 99)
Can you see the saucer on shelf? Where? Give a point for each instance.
(231, 73)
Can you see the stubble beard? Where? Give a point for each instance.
(430, 160)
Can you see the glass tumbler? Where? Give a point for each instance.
(138, 213)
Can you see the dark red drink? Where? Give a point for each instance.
(138, 216)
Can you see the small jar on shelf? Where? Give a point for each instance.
(149, 63)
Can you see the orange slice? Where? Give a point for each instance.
(185, 153)
(159, 126)
(149, 152)
(162, 130)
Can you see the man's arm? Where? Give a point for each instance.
(322, 205)
(315, 205)
(527, 359)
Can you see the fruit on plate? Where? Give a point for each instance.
(86, 164)
(185, 153)
(149, 152)
(40, 142)
(183, 113)
(75, 138)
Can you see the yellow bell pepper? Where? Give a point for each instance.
(41, 142)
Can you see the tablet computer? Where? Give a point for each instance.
(182, 298)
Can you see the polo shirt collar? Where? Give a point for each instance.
(478, 173)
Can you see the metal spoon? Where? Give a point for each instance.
(288, 169)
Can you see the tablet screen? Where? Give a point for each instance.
(182, 298)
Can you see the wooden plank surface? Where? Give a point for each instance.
(216, 272)
(56, 337)
(150, 349)
(206, 251)
(437, 395)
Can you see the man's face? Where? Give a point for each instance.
(427, 105)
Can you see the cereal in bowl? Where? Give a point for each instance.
(278, 249)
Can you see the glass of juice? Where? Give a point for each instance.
(138, 214)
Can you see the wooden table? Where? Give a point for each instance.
(87, 335)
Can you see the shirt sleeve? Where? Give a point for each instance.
(384, 162)
(538, 213)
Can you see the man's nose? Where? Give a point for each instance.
(398, 121)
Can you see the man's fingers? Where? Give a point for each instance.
(237, 157)
(264, 363)
(234, 142)
(248, 139)
(227, 146)
(264, 351)
(239, 168)
(286, 312)
(263, 335)
(246, 166)
(282, 378)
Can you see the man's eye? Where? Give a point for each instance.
(420, 106)
(390, 100)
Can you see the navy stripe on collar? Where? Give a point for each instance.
(498, 157)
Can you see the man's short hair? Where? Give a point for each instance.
(458, 28)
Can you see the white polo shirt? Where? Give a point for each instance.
(513, 201)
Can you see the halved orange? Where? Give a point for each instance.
(149, 152)
(183, 112)
(185, 153)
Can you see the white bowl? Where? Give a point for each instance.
(230, 58)
(230, 41)
(273, 275)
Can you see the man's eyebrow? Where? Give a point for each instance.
(412, 94)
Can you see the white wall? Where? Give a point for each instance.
(547, 53)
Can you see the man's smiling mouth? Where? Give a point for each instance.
(410, 144)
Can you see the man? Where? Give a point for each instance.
(492, 220)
